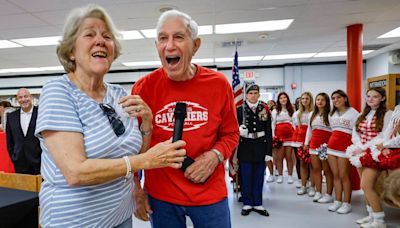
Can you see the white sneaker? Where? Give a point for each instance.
(317, 196)
(344, 209)
(279, 180)
(302, 190)
(335, 206)
(311, 192)
(290, 180)
(374, 224)
(270, 179)
(326, 199)
(298, 185)
(366, 219)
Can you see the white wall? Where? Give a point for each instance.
(377, 65)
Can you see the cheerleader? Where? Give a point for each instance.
(367, 132)
(300, 120)
(282, 128)
(318, 134)
(269, 163)
(342, 120)
(385, 156)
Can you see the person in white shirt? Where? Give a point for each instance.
(318, 133)
(282, 128)
(301, 119)
(342, 120)
(22, 145)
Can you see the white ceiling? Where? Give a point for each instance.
(319, 26)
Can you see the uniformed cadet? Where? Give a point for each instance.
(255, 146)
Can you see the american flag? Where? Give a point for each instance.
(236, 85)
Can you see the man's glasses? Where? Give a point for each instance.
(116, 124)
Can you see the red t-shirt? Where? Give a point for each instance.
(211, 122)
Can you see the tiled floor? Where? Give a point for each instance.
(289, 210)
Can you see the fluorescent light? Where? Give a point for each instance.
(202, 30)
(149, 33)
(39, 41)
(131, 35)
(8, 44)
(330, 54)
(205, 30)
(241, 59)
(52, 68)
(206, 60)
(253, 26)
(394, 33)
(20, 70)
(289, 56)
(338, 54)
(143, 63)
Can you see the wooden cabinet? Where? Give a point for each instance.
(391, 83)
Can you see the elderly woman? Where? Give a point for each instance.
(89, 132)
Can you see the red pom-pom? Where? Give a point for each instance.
(367, 161)
(303, 155)
(390, 161)
(276, 142)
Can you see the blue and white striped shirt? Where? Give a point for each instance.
(63, 107)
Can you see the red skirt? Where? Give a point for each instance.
(339, 141)
(319, 137)
(301, 134)
(284, 131)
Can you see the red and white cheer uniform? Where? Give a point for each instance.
(318, 133)
(282, 126)
(342, 128)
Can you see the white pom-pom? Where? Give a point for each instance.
(375, 153)
(355, 161)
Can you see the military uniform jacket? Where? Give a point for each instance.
(254, 149)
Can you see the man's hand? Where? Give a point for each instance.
(141, 204)
(203, 166)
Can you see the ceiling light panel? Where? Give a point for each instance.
(39, 41)
(289, 56)
(272, 25)
(131, 35)
(8, 44)
(391, 34)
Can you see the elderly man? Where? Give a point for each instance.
(22, 145)
(210, 131)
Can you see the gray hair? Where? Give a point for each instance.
(186, 19)
(70, 30)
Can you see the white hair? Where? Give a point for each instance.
(186, 19)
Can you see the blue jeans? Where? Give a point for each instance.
(168, 215)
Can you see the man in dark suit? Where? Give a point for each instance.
(255, 147)
(22, 145)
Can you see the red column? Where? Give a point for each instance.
(354, 79)
(354, 65)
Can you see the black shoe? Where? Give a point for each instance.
(246, 212)
(240, 199)
(261, 212)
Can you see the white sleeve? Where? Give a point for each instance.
(309, 130)
(295, 120)
(273, 124)
(393, 143)
(355, 138)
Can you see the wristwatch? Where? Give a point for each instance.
(219, 155)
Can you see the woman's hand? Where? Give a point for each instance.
(379, 146)
(306, 147)
(164, 154)
(134, 105)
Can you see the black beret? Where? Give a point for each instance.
(252, 87)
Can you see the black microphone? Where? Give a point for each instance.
(179, 115)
